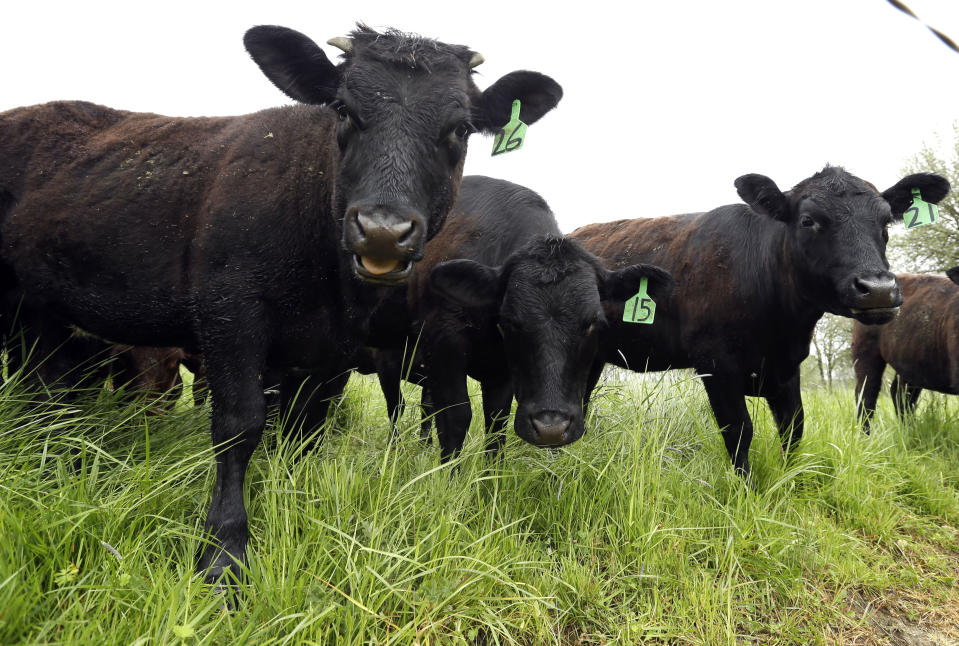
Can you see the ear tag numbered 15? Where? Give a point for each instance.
(640, 308)
(920, 212)
(510, 137)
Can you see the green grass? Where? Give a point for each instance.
(638, 533)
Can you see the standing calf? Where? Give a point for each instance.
(752, 281)
(516, 306)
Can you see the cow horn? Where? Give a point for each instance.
(476, 60)
(341, 42)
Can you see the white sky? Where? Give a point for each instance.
(666, 103)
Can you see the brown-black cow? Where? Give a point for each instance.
(921, 345)
(503, 297)
(258, 240)
(752, 281)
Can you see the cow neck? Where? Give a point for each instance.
(799, 312)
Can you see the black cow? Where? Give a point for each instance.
(753, 280)
(516, 306)
(921, 345)
(257, 240)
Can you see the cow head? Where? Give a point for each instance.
(836, 236)
(546, 299)
(405, 107)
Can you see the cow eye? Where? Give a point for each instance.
(808, 222)
(464, 130)
(343, 114)
(591, 328)
(459, 133)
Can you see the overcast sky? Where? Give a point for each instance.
(665, 103)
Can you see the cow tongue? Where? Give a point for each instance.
(377, 266)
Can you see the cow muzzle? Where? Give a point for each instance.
(875, 298)
(547, 428)
(384, 242)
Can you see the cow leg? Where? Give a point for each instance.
(786, 406)
(60, 363)
(728, 401)
(194, 363)
(450, 397)
(904, 396)
(497, 401)
(868, 370)
(427, 412)
(389, 372)
(305, 404)
(235, 365)
(595, 372)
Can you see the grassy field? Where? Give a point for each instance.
(637, 534)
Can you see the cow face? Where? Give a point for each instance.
(836, 240)
(405, 107)
(547, 300)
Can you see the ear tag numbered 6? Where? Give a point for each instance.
(510, 137)
(640, 308)
(920, 212)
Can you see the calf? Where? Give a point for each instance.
(518, 308)
(921, 344)
(262, 240)
(753, 280)
(155, 372)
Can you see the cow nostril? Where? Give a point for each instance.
(404, 231)
(861, 286)
(550, 426)
(363, 224)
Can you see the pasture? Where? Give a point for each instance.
(638, 533)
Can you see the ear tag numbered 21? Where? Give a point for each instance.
(640, 308)
(920, 212)
(510, 137)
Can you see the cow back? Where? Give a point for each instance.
(733, 305)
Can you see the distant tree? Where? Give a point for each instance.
(830, 349)
(932, 247)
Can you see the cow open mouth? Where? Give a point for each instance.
(385, 271)
(875, 315)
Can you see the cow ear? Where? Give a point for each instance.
(466, 283)
(294, 63)
(763, 196)
(953, 274)
(537, 93)
(622, 284)
(932, 188)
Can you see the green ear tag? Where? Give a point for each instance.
(920, 212)
(640, 308)
(510, 137)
